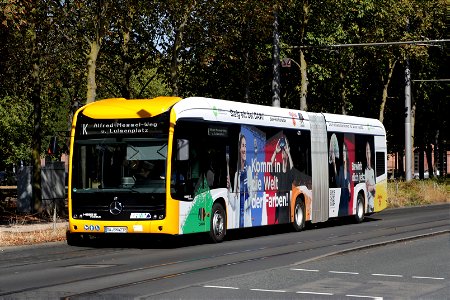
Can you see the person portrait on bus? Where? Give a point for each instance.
(369, 176)
(244, 188)
(343, 181)
(333, 156)
(285, 176)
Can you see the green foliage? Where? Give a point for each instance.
(220, 49)
(15, 129)
(149, 84)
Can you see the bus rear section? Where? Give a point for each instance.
(357, 170)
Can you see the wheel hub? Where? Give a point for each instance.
(298, 215)
(218, 223)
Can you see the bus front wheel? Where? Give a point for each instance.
(218, 223)
(299, 215)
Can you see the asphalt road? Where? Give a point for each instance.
(400, 253)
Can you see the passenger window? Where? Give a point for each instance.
(380, 158)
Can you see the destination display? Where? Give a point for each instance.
(87, 127)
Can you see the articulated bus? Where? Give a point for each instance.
(177, 166)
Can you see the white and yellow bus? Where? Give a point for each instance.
(176, 166)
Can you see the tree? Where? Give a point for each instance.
(295, 23)
(96, 17)
(175, 17)
(30, 64)
(228, 52)
(131, 50)
(85, 26)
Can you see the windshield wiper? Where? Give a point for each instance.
(135, 149)
(158, 151)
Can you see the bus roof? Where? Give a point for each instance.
(238, 112)
(344, 123)
(121, 108)
(245, 113)
(228, 112)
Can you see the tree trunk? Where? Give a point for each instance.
(276, 101)
(174, 64)
(36, 139)
(304, 82)
(384, 97)
(303, 64)
(429, 154)
(179, 30)
(126, 66)
(92, 65)
(127, 29)
(343, 93)
(101, 19)
(419, 151)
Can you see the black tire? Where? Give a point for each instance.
(299, 215)
(218, 225)
(359, 216)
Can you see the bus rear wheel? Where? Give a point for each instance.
(359, 216)
(299, 215)
(218, 227)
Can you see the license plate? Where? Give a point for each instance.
(116, 229)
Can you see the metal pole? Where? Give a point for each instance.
(408, 138)
(276, 61)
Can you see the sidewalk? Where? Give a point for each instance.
(33, 227)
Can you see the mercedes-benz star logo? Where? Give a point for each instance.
(115, 207)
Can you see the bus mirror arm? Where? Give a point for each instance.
(184, 197)
(188, 198)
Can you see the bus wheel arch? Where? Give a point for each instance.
(299, 214)
(360, 205)
(218, 222)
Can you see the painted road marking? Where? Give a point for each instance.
(305, 270)
(374, 274)
(364, 296)
(426, 277)
(340, 272)
(387, 275)
(314, 293)
(272, 291)
(221, 287)
(297, 292)
(324, 293)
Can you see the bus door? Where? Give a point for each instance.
(319, 159)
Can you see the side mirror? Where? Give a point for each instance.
(182, 149)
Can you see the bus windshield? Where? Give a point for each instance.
(119, 163)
